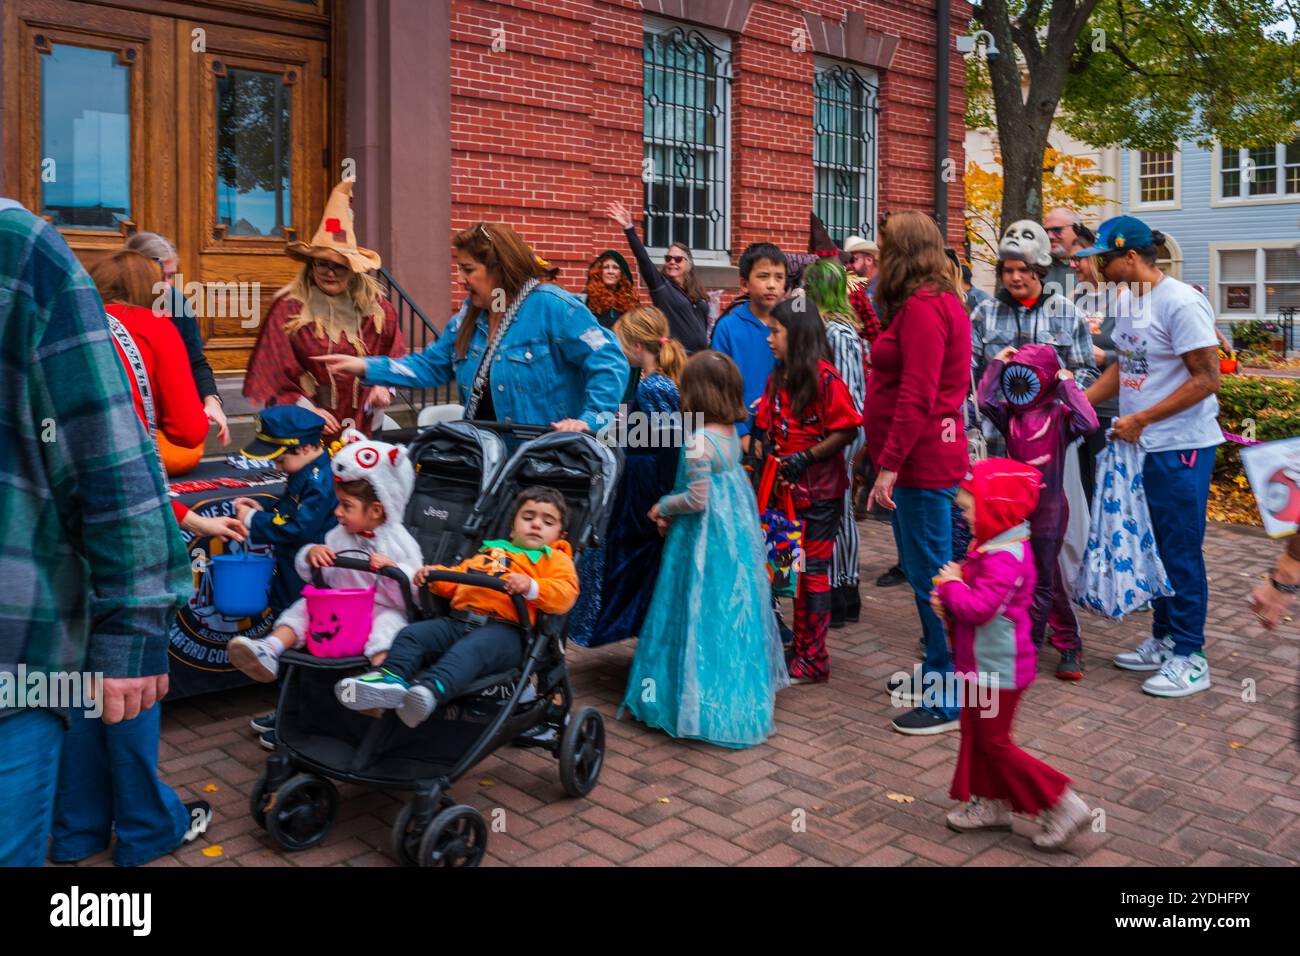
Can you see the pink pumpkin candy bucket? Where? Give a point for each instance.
(338, 620)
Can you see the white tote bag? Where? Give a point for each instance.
(1121, 568)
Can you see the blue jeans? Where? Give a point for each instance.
(923, 528)
(1178, 488)
(108, 782)
(29, 767)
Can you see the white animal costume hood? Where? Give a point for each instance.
(384, 466)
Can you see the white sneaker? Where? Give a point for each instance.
(1180, 677)
(254, 657)
(1150, 655)
(1061, 823)
(981, 814)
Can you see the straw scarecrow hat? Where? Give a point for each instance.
(335, 240)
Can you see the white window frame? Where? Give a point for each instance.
(872, 204)
(1175, 257)
(1135, 181)
(1216, 172)
(702, 257)
(1261, 283)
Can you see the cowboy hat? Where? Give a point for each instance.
(335, 240)
(858, 244)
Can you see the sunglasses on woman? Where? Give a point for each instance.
(674, 258)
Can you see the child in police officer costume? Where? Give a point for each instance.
(372, 483)
(291, 437)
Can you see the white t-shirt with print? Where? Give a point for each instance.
(1152, 333)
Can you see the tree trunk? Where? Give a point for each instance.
(1022, 172)
(1024, 121)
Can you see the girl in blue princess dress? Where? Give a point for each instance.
(619, 577)
(709, 661)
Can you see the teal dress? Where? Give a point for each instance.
(709, 662)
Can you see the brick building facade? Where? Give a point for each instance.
(717, 122)
(549, 99)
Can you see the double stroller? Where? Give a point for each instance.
(464, 487)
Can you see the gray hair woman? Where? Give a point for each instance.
(174, 303)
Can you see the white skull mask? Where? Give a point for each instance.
(1026, 240)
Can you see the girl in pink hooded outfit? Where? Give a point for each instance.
(1041, 410)
(985, 601)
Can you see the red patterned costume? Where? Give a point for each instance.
(282, 369)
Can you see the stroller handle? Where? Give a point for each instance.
(480, 580)
(518, 429)
(363, 564)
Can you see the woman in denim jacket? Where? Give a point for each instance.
(549, 360)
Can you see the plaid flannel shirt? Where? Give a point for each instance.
(92, 562)
(1053, 320)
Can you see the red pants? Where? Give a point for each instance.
(812, 603)
(990, 765)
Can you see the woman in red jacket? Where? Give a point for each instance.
(127, 282)
(920, 374)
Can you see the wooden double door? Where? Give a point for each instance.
(206, 127)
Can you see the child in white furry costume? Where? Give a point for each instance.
(373, 481)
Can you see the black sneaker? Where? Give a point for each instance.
(921, 722)
(904, 687)
(200, 812)
(267, 740)
(892, 577)
(1070, 666)
(264, 724)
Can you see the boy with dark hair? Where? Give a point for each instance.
(434, 661)
(741, 333)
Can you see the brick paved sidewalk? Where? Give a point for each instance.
(1209, 780)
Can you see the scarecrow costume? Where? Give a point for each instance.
(304, 323)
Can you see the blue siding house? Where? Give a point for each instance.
(1233, 221)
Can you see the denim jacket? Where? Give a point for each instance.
(555, 361)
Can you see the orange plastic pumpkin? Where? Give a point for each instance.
(178, 460)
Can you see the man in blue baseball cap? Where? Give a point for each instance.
(1166, 376)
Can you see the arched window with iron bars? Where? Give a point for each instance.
(687, 94)
(845, 107)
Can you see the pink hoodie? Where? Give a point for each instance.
(989, 607)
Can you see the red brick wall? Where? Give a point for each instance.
(548, 130)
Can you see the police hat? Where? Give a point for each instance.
(282, 427)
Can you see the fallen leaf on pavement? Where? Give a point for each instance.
(214, 850)
(900, 797)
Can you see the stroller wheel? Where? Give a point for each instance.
(406, 836)
(456, 837)
(300, 813)
(257, 801)
(582, 752)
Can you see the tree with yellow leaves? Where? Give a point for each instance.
(1068, 181)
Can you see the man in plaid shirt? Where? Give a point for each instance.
(92, 563)
(1025, 312)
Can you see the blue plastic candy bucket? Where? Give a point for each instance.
(240, 583)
